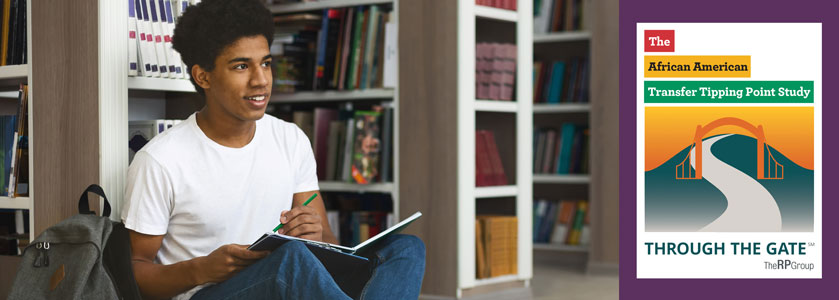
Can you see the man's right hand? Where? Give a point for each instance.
(225, 262)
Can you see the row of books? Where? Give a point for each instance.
(561, 152)
(14, 157)
(557, 15)
(13, 30)
(350, 48)
(489, 170)
(151, 54)
(14, 231)
(355, 217)
(561, 81)
(353, 227)
(350, 145)
(561, 222)
(141, 132)
(502, 4)
(495, 71)
(496, 246)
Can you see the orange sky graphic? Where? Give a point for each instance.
(669, 130)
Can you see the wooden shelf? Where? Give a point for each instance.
(496, 106)
(15, 203)
(560, 37)
(337, 186)
(557, 178)
(318, 5)
(321, 96)
(160, 84)
(496, 191)
(493, 13)
(561, 108)
(560, 247)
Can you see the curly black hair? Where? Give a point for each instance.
(206, 29)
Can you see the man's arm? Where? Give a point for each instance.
(158, 281)
(308, 222)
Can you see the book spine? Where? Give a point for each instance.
(157, 33)
(132, 39)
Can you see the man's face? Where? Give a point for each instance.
(241, 81)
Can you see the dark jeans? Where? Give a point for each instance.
(293, 272)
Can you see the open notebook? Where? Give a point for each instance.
(272, 240)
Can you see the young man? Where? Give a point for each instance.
(199, 193)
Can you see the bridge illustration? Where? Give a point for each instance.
(764, 162)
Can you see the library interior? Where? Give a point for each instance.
(496, 119)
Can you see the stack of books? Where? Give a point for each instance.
(502, 4)
(338, 49)
(350, 145)
(151, 24)
(561, 222)
(489, 170)
(557, 15)
(496, 241)
(561, 81)
(495, 71)
(13, 30)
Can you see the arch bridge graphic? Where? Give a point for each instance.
(764, 162)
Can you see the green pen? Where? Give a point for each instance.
(304, 204)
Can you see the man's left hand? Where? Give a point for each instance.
(302, 222)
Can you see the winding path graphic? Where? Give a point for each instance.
(751, 208)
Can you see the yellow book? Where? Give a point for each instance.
(5, 44)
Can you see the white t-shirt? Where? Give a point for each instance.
(201, 195)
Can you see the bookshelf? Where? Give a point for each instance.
(442, 114)
(597, 40)
(565, 46)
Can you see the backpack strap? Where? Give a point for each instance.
(84, 208)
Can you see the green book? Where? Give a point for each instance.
(354, 50)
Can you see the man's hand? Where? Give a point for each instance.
(303, 222)
(225, 262)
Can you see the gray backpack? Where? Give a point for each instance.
(83, 257)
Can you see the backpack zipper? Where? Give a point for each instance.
(42, 259)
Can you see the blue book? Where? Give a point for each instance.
(565, 147)
(555, 87)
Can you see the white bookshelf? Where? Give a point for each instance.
(496, 106)
(333, 96)
(499, 14)
(561, 108)
(520, 114)
(15, 203)
(11, 77)
(561, 178)
(560, 37)
(317, 5)
(496, 191)
(558, 46)
(160, 84)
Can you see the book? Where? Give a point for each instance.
(390, 56)
(272, 240)
(323, 117)
(366, 148)
(132, 39)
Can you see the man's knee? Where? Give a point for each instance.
(407, 245)
(288, 250)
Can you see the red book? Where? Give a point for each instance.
(483, 166)
(499, 177)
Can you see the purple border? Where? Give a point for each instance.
(632, 12)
